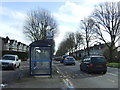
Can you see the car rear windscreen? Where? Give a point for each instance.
(8, 57)
(70, 58)
(98, 59)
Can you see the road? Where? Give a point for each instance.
(72, 76)
(11, 75)
(79, 79)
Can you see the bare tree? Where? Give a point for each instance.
(63, 48)
(38, 23)
(86, 28)
(78, 40)
(107, 17)
(72, 42)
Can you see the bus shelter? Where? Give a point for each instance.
(41, 57)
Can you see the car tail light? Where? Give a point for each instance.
(106, 65)
(66, 59)
(91, 65)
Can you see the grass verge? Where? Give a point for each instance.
(117, 65)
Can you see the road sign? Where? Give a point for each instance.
(49, 35)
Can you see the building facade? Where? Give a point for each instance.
(94, 50)
(13, 45)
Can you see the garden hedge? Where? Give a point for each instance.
(22, 55)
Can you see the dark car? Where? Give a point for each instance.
(94, 64)
(62, 59)
(69, 60)
(58, 58)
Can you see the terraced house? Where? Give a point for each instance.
(12, 45)
(97, 49)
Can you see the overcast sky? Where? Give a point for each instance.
(67, 13)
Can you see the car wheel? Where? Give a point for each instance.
(14, 67)
(64, 64)
(104, 72)
(81, 69)
(18, 66)
(89, 72)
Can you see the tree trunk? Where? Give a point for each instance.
(110, 55)
(88, 51)
(111, 51)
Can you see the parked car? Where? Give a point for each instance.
(10, 62)
(63, 57)
(69, 60)
(94, 64)
(58, 58)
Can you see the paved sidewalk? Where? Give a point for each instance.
(39, 82)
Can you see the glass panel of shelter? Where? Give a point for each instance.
(40, 60)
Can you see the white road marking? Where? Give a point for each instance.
(58, 71)
(68, 83)
(65, 79)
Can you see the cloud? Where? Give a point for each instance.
(11, 24)
(72, 12)
(8, 13)
(13, 31)
(63, 30)
(69, 16)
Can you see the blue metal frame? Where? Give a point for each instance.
(50, 68)
(41, 60)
